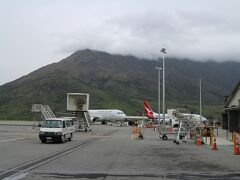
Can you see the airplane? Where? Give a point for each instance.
(152, 115)
(104, 116)
(114, 116)
(155, 116)
(107, 115)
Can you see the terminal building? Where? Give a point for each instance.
(231, 114)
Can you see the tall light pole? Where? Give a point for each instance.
(200, 106)
(163, 51)
(159, 90)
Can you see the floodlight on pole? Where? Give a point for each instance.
(159, 90)
(163, 51)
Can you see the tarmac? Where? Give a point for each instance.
(108, 152)
(219, 141)
(221, 137)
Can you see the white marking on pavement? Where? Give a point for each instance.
(7, 140)
(20, 176)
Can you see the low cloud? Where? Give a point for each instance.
(36, 33)
(185, 35)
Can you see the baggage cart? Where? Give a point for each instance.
(168, 132)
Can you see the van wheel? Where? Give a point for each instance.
(63, 139)
(165, 137)
(70, 138)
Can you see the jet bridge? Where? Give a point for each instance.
(78, 103)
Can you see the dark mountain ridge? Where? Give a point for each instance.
(116, 81)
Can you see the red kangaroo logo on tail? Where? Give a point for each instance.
(147, 109)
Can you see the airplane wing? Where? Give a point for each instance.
(136, 118)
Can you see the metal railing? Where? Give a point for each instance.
(44, 109)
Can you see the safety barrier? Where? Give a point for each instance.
(214, 146)
(199, 142)
(236, 148)
(137, 133)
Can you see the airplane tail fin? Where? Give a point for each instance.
(147, 109)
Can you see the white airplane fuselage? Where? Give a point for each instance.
(156, 116)
(111, 115)
(196, 117)
(168, 120)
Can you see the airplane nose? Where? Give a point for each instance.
(123, 116)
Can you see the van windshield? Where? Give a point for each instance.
(52, 124)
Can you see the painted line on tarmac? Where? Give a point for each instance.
(21, 176)
(7, 140)
(23, 169)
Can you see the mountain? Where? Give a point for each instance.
(116, 81)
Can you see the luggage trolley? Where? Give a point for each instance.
(166, 132)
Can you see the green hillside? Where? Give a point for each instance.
(123, 82)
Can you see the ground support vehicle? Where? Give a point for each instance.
(56, 129)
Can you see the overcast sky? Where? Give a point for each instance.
(34, 33)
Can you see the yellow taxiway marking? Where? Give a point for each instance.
(6, 140)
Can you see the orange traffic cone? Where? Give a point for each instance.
(199, 142)
(236, 147)
(214, 147)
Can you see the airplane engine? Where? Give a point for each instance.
(95, 119)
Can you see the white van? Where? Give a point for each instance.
(56, 129)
